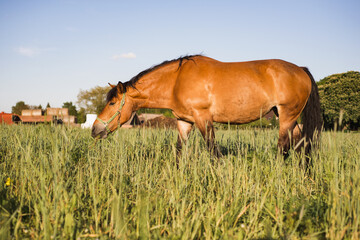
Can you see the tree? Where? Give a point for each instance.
(340, 93)
(19, 107)
(35, 107)
(93, 100)
(71, 107)
(81, 116)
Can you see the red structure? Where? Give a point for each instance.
(8, 118)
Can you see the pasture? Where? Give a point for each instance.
(55, 183)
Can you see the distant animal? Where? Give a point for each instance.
(201, 90)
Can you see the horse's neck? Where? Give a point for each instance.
(155, 89)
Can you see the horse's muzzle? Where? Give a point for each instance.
(99, 130)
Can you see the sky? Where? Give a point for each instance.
(50, 50)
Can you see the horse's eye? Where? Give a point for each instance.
(112, 103)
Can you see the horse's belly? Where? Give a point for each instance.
(240, 113)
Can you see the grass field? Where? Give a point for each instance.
(55, 184)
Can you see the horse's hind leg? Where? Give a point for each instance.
(287, 122)
(184, 130)
(285, 133)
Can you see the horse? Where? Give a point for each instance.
(200, 90)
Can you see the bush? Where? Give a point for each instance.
(340, 93)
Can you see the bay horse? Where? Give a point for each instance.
(200, 90)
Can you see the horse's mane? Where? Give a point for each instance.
(131, 83)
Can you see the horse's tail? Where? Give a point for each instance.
(312, 117)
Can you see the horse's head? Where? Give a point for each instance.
(109, 119)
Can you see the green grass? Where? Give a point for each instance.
(54, 183)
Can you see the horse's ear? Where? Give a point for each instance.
(112, 86)
(120, 87)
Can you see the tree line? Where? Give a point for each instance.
(339, 96)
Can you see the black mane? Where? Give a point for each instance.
(131, 83)
(111, 94)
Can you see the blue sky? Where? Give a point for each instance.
(49, 50)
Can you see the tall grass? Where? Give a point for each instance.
(56, 184)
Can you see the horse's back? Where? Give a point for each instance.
(239, 92)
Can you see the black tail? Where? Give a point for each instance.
(312, 118)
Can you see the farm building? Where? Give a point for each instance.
(62, 114)
(56, 115)
(35, 116)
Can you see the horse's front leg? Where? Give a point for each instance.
(206, 128)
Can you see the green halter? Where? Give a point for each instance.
(118, 112)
